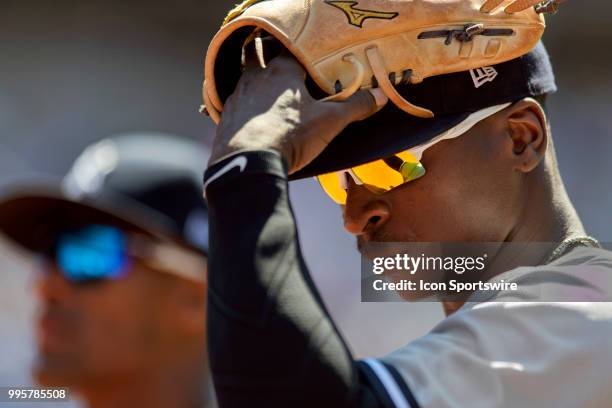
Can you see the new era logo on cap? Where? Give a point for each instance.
(481, 76)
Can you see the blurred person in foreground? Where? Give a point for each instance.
(122, 248)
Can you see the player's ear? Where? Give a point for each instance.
(528, 131)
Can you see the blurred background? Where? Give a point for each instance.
(73, 72)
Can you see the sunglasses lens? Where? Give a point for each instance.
(331, 185)
(92, 253)
(412, 169)
(379, 176)
(384, 175)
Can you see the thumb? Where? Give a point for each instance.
(360, 105)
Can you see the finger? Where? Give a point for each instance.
(359, 106)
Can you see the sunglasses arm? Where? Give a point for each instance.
(169, 258)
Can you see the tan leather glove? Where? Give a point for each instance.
(345, 46)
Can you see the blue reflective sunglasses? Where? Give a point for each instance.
(92, 253)
(100, 252)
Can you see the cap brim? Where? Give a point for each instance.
(452, 97)
(33, 219)
(386, 133)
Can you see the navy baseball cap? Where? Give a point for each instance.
(146, 183)
(452, 98)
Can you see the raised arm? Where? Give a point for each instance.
(271, 341)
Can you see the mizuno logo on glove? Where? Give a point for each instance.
(358, 16)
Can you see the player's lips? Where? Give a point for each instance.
(53, 330)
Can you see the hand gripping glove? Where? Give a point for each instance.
(350, 45)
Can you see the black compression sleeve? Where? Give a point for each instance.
(271, 341)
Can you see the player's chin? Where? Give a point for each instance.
(55, 371)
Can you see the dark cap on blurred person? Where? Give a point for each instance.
(146, 183)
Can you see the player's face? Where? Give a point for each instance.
(103, 330)
(470, 193)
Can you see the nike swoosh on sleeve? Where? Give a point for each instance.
(240, 162)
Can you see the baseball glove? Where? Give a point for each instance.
(349, 45)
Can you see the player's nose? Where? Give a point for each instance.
(364, 212)
(50, 285)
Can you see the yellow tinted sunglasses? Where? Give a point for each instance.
(378, 176)
(384, 175)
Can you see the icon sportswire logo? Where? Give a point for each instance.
(240, 162)
(357, 16)
(481, 76)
